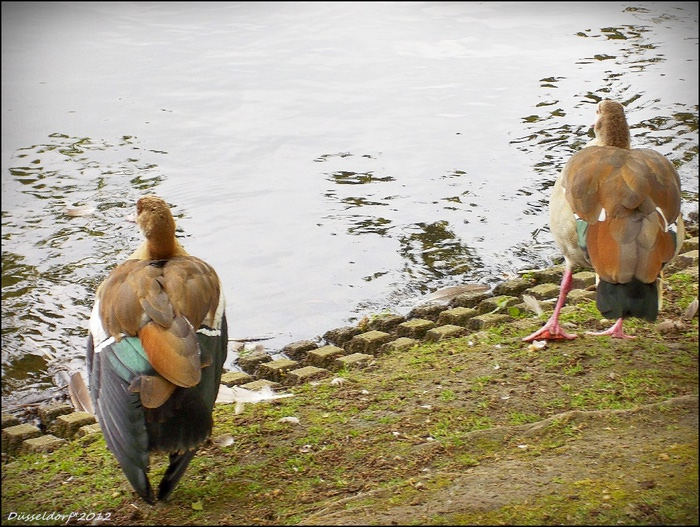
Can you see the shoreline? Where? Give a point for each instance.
(348, 347)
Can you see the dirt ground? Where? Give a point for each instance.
(639, 448)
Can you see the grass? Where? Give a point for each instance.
(506, 434)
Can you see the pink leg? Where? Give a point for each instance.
(552, 330)
(615, 332)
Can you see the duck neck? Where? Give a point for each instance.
(160, 244)
(161, 247)
(612, 130)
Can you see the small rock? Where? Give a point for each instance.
(669, 326)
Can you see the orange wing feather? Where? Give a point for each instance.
(153, 390)
(173, 352)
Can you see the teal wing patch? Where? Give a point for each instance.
(581, 233)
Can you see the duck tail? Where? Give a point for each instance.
(632, 299)
(178, 465)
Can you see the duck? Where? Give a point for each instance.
(156, 347)
(616, 210)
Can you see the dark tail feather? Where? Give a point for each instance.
(633, 299)
(119, 411)
(142, 486)
(176, 469)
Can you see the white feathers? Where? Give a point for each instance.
(97, 330)
(223, 440)
(105, 343)
(532, 304)
(241, 396)
(601, 216)
(663, 217)
(220, 308)
(209, 332)
(537, 345)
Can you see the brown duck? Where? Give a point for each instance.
(155, 352)
(616, 210)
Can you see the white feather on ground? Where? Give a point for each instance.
(241, 396)
(532, 304)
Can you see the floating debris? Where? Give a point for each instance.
(82, 210)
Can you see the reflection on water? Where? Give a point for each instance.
(353, 178)
(329, 160)
(433, 252)
(52, 262)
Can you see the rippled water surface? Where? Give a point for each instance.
(330, 160)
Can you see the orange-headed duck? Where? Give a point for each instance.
(155, 352)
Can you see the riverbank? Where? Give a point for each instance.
(452, 419)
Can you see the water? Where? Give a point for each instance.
(330, 160)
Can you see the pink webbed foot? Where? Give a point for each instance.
(615, 332)
(550, 331)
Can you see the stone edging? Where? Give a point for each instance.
(346, 347)
(356, 346)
